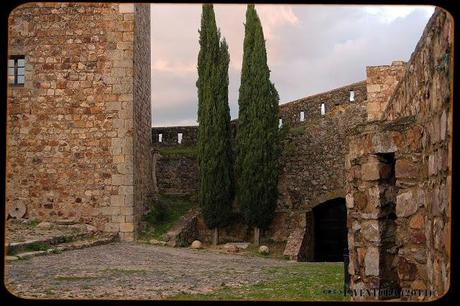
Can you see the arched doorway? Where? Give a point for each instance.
(330, 230)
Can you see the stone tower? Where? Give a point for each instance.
(79, 114)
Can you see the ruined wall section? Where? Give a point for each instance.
(169, 135)
(399, 227)
(311, 105)
(313, 165)
(70, 128)
(143, 176)
(381, 82)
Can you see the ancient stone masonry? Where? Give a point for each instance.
(399, 177)
(381, 83)
(169, 135)
(312, 161)
(290, 112)
(76, 129)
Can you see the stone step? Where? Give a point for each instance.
(17, 247)
(99, 239)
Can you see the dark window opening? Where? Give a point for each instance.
(16, 70)
(387, 225)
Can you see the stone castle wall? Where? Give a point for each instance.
(312, 164)
(311, 105)
(70, 127)
(399, 177)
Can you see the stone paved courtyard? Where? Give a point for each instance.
(126, 270)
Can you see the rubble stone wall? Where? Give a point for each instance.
(381, 82)
(70, 127)
(399, 212)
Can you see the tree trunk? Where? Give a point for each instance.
(256, 236)
(215, 236)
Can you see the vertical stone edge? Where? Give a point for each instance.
(142, 144)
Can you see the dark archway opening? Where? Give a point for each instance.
(330, 230)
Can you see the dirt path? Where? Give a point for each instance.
(133, 271)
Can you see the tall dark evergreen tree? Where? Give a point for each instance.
(257, 139)
(215, 164)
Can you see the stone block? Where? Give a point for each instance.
(117, 200)
(417, 221)
(370, 171)
(372, 262)
(126, 227)
(406, 169)
(112, 227)
(349, 200)
(371, 230)
(360, 200)
(406, 204)
(373, 88)
(406, 269)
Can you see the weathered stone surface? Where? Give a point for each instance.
(406, 269)
(184, 232)
(196, 244)
(413, 131)
(264, 250)
(417, 221)
(231, 248)
(372, 261)
(370, 230)
(78, 121)
(406, 204)
(44, 225)
(406, 169)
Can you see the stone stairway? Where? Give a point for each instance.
(58, 241)
(184, 232)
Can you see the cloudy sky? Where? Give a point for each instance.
(311, 49)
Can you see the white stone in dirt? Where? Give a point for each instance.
(44, 225)
(264, 250)
(11, 258)
(196, 244)
(90, 228)
(157, 242)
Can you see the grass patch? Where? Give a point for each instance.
(164, 214)
(34, 223)
(35, 246)
(301, 282)
(177, 151)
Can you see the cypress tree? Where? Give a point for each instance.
(214, 144)
(257, 135)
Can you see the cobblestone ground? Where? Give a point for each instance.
(126, 270)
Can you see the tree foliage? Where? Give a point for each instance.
(215, 165)
(257, 143)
